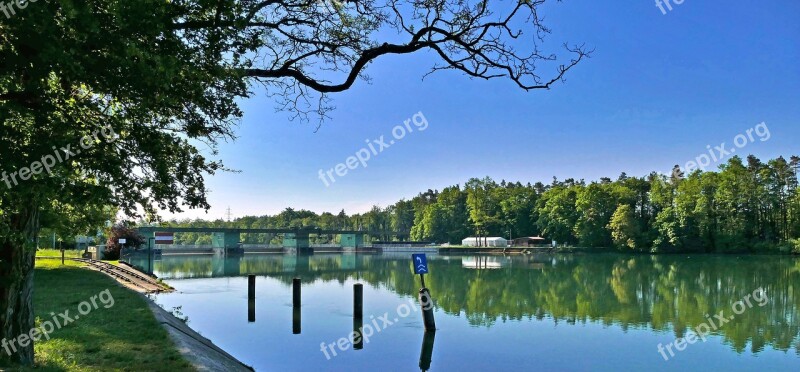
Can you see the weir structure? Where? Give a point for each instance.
(226, 240)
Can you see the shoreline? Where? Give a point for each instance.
(195, 349)
(201, 352)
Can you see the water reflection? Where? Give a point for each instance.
(251, 310)
(426, 353)
(665, 293)
(485, 262)
(296, 321)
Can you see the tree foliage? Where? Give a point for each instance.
(737, 209)
(122, 231)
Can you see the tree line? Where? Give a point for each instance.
(746, 205)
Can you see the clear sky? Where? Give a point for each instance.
(658, 89)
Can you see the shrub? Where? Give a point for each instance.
(134, 239)
(795, 245)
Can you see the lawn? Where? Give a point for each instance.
(68, 253)
(57, 253)
(119, 333)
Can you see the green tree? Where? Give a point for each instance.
(557, 213)
(161, 77)
(483, 205)
(403, 218)
(594, 206)
(626, 230)
(733, 207)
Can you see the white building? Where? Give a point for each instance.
(485, 242)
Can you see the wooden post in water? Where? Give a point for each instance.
(296, 292)
(296, 306)
(251, 287)
(251, 298)
(358, 315)
(358, 301)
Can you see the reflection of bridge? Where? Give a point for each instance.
(308, 267)
(312, 267)
(294, 239)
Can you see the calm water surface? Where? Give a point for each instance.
(549, 312)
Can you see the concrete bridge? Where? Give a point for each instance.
(227, 240)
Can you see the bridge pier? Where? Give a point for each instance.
(297, 242)
(226, 243)
(350, 242)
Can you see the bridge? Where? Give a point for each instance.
(294, 239)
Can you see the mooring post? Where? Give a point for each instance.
(358, 301)
(296, 306)
(251, 298)
(296, 292)
(251, 287)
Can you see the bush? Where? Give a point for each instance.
(111, 253)
(795, 245)
(134, 239)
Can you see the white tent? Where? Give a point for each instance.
(485, 242)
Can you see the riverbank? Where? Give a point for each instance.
(105, 341)
(119, 333)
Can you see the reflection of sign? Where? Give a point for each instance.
(420, 263)
(164, 238)
(122, 240)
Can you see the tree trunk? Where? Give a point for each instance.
(17, 257)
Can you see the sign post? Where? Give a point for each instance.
(121, 242)
(420, 262)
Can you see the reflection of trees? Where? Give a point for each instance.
(659, 292)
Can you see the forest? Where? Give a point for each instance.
(745, 206)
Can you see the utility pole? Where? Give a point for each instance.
(229, 214)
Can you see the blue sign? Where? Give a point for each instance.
(420, 263)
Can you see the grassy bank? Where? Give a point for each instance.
(57, 253)
(124, 336)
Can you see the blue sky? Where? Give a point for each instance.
(657, 90)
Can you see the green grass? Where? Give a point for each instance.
(57, 253)
(123, 337)
(68, 253)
